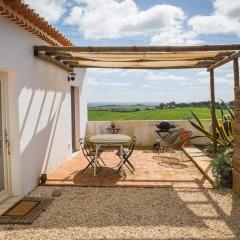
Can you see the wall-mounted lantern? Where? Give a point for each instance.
(71, 76)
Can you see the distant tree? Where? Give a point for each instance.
(161, 105)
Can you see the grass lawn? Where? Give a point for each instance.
(157, 114)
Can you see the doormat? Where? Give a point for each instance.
(25, 211)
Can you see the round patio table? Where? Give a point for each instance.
(108, 139)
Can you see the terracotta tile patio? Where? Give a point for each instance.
(151, 171)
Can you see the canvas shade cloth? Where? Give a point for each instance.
(128, 57)
(136, 57)
(141, 60)
(144, 64)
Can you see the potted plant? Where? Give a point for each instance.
(222, 169)
(113, 125)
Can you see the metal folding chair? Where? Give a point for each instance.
(176, 145)
(91, 149)
(102, 131)
(169, 139)
(89, 154)
(126, 153)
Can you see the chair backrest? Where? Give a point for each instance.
(182, 139)
(81, 142)
(101, 130)
(174, 136)
(132, 146)
(85, 146)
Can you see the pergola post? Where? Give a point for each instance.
(236, 72)
(213, 111)
(236, 154)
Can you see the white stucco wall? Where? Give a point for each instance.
(144, 130)
(39, 108)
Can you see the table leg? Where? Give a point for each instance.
(95, 160)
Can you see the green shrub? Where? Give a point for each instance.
(222, 169)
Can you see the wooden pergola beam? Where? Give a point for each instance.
(140, 48)
(70, 62)
(224, 61)
(58, 54)
(220, 55)
(153, 68)
(67, 57)
(53, 61)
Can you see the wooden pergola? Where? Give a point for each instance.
(209, 57)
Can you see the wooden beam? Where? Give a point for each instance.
(236, 72)
(224, 61)
(204, 63)
(153, 68)
(58, 54)
(140, 48)
(236, 149)
(142, 65)
(220, 54)
(53, 61)
(70, 62)
(71, 58)
(213, 111)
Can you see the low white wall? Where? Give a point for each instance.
(144, 130)
(39, 102)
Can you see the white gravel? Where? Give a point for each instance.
(133, 213)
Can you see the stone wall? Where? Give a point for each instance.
(144, 130)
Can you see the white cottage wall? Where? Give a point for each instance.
(39, 108)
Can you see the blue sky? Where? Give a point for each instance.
(148, 22)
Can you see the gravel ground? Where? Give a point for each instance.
(133, 213)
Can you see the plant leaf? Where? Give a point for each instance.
(197, 119)
(229, 109)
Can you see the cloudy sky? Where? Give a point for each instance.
(148, 22)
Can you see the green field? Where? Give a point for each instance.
(156, 114)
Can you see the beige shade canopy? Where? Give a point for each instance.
(122, 57)
(142, 57)
(130, 60)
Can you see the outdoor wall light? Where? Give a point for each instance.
(71, 76)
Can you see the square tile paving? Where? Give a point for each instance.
(151, 171)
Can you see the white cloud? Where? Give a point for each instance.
(147, 86)
(106, 83)
(175, 36)
(164, 76)
(111, 19)
(202, 73)
(230, 75)
(225, 19)
(104, 70)
(218, 80)
(51, 10)
(75, 16)
(229, 8)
